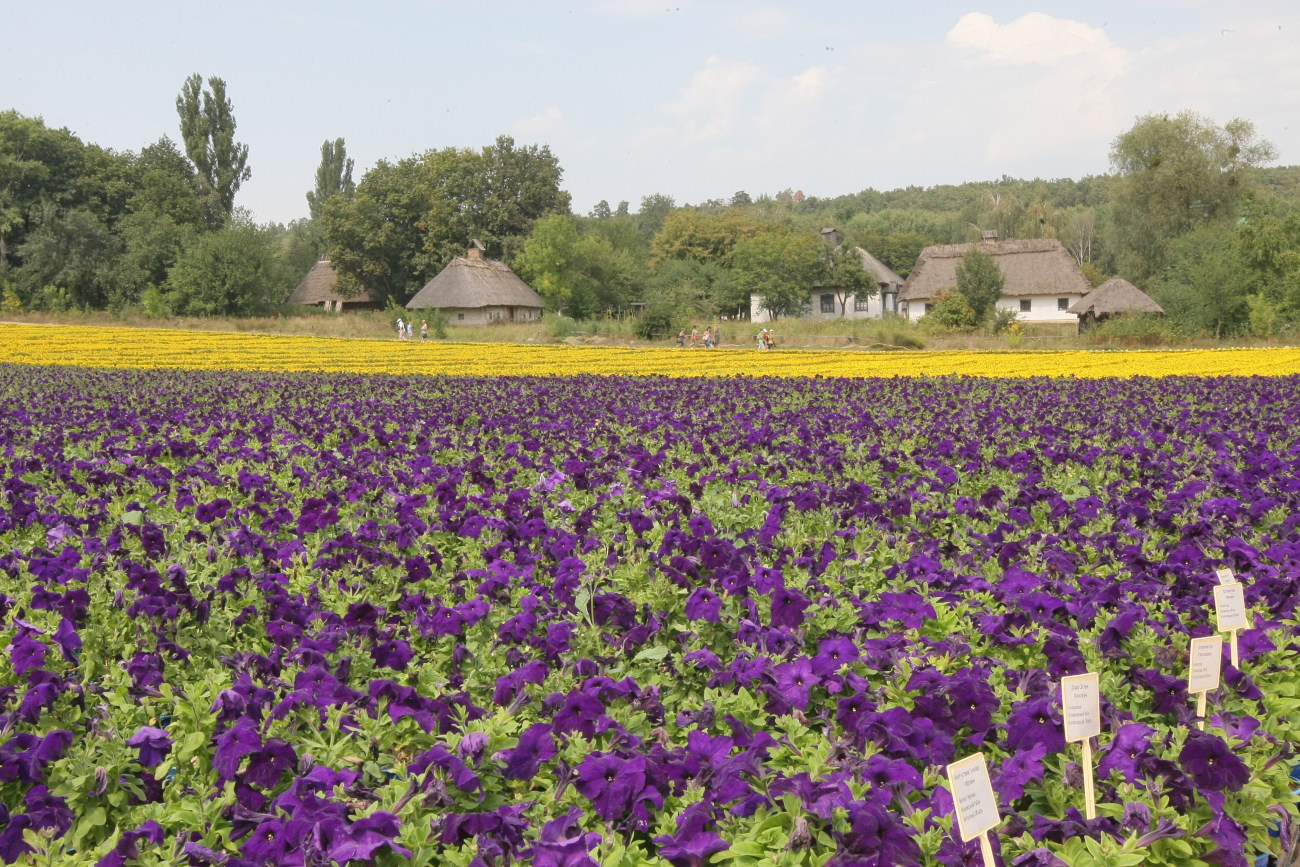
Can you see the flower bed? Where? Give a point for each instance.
(208, 350)
(261, 618)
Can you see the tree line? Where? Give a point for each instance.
(1188, 213)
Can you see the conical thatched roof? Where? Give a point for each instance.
(1038, 266)
(1116, 295)
(318, 287)
(469, 282)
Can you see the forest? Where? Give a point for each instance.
(1191, 212)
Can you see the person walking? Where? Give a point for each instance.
(681, 338)
(410, 329)
(708, 337)
(762, 338)
(401, 329)
(424, 329)
(695, 337)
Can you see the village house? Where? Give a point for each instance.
(1115, 297)
(317, 289)
(1041, 279)
(473, 290)
(826, 302)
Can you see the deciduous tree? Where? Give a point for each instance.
(333, 176)
(208, 132)
(1176, 173)
(780, 266)
(979, 283)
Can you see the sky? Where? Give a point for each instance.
(693, 99)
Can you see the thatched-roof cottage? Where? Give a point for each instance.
(1041, 279)
(826, 303)
(317, 289)
(1112, 298)
(473, 290)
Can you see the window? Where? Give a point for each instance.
(928, 307)
(460, 317)
(861, 303)
(1062, 303)
(828, 303)
(1026, 305)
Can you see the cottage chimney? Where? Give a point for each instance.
(831, 237)
(476, 249)
(989, 234)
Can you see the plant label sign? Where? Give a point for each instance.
(1226, 576)
(1081, 701)
(972, 794)
(1230, 607)
(1206, 654)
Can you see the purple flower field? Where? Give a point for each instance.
(276, 619)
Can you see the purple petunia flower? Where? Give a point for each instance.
(233, 744)
(1211, 763)
(1035, 721)
(1127, 752)
(153, 743)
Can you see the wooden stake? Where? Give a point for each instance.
(1200, 710)
(986, 850)
(1089, 795)
(1232, 649)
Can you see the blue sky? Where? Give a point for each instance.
(692, 99)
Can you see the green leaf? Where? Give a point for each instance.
(651, 653)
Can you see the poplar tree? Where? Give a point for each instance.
(333, 176)
(208, 131)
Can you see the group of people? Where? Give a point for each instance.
(692, 340)
(406, 330)
(766, 339)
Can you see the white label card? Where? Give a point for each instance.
(1081, 701)
(1230, 607)
(1226, 576)
(1206, 655)
(972, 794)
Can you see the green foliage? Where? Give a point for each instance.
(1203, 288)
(844, 274)
(951, 312)
(208, 131)
(438, 324)
(230, 272)
(1003, 320)
(979, 283)
(688, 233)
(1133, 329)
(1263, 316)
(579, 273)
(333, 176)
(898, 250)
(72, 251)
(1093, 273)
(780, 266)
(154, 303)
(1176, 173)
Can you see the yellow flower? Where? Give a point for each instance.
(210, 350)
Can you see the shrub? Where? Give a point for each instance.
(1133, 329)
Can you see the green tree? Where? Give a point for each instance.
(655, 208)
(1176, 173)
(165, 183)
(510, 188)
(230, 272)
(38, 165)
(780, 266)
(151, 244)
(601, 211)
(979, 283)
(846, 277)
(1204, 287)
(580, 274)
(74, 252)
(333, 176)
(704, 237)
(208, 132)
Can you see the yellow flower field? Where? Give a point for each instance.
(205, 350)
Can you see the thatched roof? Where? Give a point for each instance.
(469, 282)
(1039, 266)
(878, 269)
(318, 287)
(1116, 295)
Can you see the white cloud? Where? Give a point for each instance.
(715, 101)
(549, 122)
(1036, 38)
